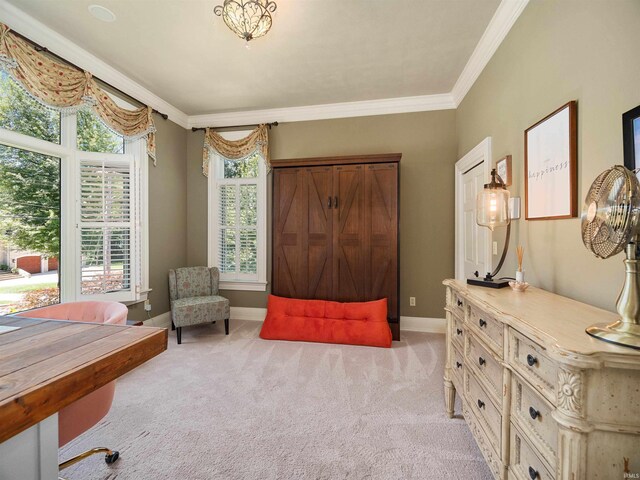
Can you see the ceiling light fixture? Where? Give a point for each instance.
(102, 13)
(248, 19)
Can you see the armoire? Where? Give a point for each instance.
(335, 230)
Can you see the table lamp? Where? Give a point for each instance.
(492, 210)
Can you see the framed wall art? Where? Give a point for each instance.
(550, 165)
(503, 168)
(631, 138)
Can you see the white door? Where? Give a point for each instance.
(474, 239)
(472, 242)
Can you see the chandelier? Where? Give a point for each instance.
(248, 19)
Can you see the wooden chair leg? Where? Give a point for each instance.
(226, 326)
(179, 335)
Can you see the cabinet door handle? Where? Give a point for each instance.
(458, 365)
(481, 361)
(480, 404)
(458, 331)
(335, 202)
(531, 360)
(329, 203)
(533, 473)
(482, 323)
(534, 413)
(459, 303)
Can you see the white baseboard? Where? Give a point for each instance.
(423, 324)
(248, 313)
(162, 321)
(411, 324)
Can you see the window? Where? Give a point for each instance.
(237, 220)
(29, 229)
(19, 112)
(72, 207)
(95, 136)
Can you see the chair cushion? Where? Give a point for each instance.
(197, 310)
(193, 282)
(354, 323)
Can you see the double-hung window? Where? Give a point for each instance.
(72, 206)
(237, 220)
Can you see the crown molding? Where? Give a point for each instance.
(35, 30)
(423, 103)
(506, 15)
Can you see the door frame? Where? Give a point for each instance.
(481, 153)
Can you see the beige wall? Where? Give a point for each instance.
(428, 146)
(559, 51)
(167, 214)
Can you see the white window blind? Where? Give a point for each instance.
(238, 235)
(108, 240)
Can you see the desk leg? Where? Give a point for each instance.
(32, 454)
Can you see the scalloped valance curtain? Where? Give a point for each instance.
(257, 140)
(66, 88)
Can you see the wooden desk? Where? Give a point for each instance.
(46, 365)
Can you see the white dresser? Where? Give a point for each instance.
(542, 398)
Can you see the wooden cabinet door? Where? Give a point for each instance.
(381, 233)
(349, 236)
(289, 244)
(319, 233)
(302, 235)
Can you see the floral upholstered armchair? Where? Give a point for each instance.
(194, 298)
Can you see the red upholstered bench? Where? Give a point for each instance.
(329, 322)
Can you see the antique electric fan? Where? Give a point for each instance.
(610, 223)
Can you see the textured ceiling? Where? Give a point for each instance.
(318, 51)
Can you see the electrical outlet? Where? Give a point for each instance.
(412, 301)
(147, 306)
(495, 248)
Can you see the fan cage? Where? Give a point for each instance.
(611, 212)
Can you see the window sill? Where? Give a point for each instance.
(144, 295)
(248, 286)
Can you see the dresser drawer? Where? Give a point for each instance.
(457, 366)
(532, 413)
(457, 332)
(483, 408)
(488, 328)
(457, 303)
(486, 445)
(524, 462)
(531, 361)
(487, 365)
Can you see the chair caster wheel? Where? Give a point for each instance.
(109, 459)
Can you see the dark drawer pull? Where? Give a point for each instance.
(481, 361)
(531, 360)
(335, 202)
(534, 413)
(459, 331)
(533, 473)
(329, 203)
(480, 404)
(459, 303)
(458, 365)
(482, 323)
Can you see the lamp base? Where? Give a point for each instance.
(488, 283)
(620, 333)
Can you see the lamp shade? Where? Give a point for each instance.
(492, 204)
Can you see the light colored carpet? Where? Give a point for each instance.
(239, 407)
